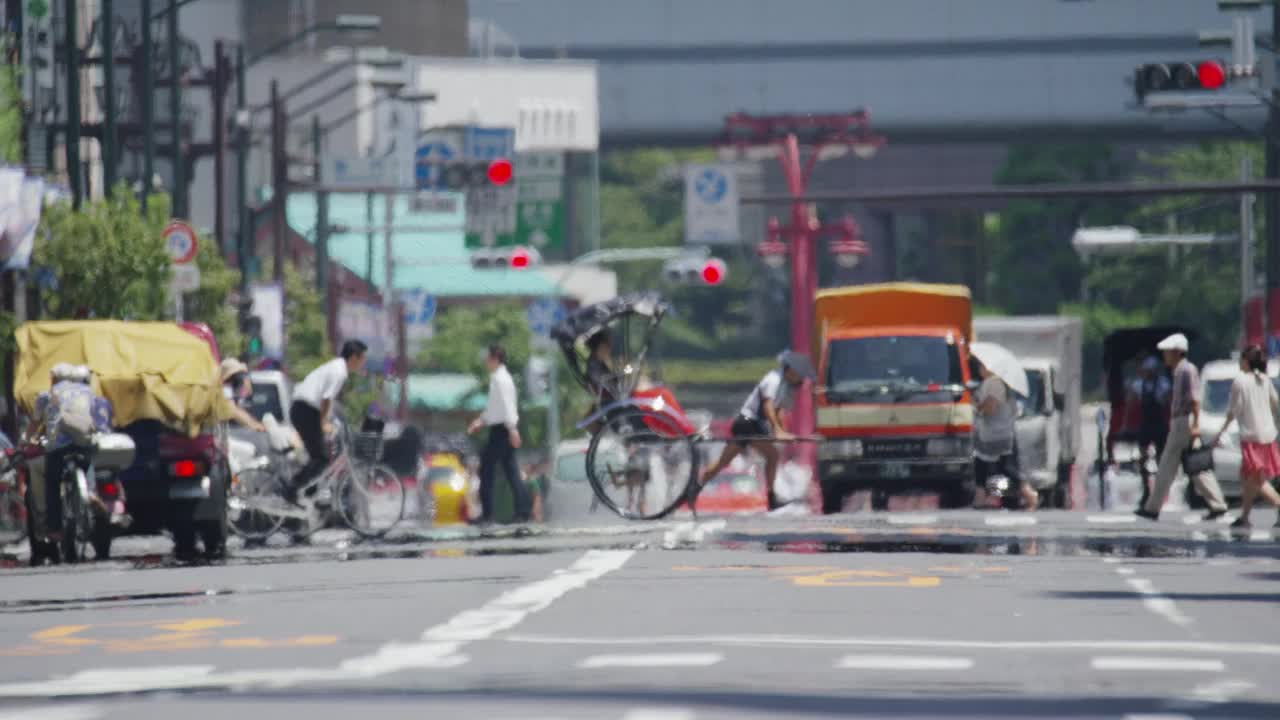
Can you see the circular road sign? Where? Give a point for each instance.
(180, 242)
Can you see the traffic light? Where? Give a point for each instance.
(462, 175)
(515, 258)
(1185, 76)
(707, 271)
(251, 329)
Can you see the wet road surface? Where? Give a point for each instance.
(908, 614)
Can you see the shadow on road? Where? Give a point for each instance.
(1188, 597)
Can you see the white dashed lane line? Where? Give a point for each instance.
(649, 660)
(1009, 520)
(913, 519)
(902, 662)
(1157, 664)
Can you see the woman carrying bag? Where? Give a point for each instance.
(1254, 404)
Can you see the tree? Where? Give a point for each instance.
(462, 333)
(10, 108)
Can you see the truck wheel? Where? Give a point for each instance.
(101, 537)
(958, 495)
(213, 532)
(183, 527)
(832, 499)
(880, 499)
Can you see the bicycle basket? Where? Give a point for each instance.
(366, 446)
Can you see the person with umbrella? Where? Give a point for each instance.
(994, 447)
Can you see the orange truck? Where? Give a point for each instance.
(893, 403)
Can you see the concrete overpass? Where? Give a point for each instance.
(929, 70)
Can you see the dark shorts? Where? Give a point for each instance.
(750, 429)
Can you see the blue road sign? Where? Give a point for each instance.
(428, 165)
(711, 185)
(544, 314)
(419, 307)
(485, 143)
(1273, 345)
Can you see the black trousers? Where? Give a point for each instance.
(306, 420)
(499, 453)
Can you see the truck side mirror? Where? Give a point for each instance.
(1059, 401)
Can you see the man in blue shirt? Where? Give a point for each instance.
(66, 416)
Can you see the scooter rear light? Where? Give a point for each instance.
(186, 469)
(109, 490)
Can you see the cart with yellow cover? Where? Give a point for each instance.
(162, 382)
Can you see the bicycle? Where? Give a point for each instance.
(366, 496)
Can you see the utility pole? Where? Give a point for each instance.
(148, 105)
(1271, 306)
(220, 147)
(369, 238)
(279, 181)
(322, 212)
(175, 115)
(110, 136)
(244, 243)
(1246, 243)
(72, 43)
(393, 304)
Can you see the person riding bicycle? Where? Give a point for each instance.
(66, 416)
(758, 422)
(313, 401)
(236, 387)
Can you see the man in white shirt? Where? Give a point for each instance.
(502, 418)
(313, 401)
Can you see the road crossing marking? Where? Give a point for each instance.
(1154, 601)
(913, 519)
(1116, 519)
(659, 714)
(1009, 520)
(902, 662)
(651, 660)
(1161, 664)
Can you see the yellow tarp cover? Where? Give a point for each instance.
(897, 304)
(147, 370)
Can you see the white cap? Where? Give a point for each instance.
(1176, 341)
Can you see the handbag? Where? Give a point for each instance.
(1197, 460)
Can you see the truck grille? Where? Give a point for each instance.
(893, 448)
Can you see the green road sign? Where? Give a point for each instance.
(37, 9)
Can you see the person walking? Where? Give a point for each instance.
(502, 418)
(1152, 390)
(1184, 428)
(313, 402)
(995, 447)
(1254, 404)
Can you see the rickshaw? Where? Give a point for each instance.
(162, 382)
(642, 454)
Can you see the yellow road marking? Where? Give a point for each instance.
(844, 578)
(189, 634)
(62, 635)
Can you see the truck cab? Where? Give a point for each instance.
(893, 403)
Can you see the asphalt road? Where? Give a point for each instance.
(915, 614)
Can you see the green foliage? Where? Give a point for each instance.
(306, 335)
(10, 108)
(209, 303)
(361, 392)
(462, 334)
(738, 371)
(109, 258)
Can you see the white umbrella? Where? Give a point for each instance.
(1000, 361)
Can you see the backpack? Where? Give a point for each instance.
(73, 415)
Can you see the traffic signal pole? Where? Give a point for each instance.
(1272, 200)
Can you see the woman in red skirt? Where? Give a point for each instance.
(1254, 404)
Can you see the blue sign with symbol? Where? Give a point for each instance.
(428, 165)
(1273, 345)
(544, 314)
(711, 185)
(419, 307)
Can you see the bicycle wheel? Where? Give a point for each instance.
(371, 499)
(76, 522)
(13, 512)
(255, 508)
(639, 465)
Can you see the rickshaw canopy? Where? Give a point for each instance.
(147, 370)
(574, 331)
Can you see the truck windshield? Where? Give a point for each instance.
(266, 399)
(1035, 400)
(904, 368)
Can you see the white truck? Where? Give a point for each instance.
(1048, 427)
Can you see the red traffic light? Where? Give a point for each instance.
(713, 271)
(520, 259)
(500, 171)
(1212, 75)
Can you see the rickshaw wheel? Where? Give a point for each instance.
(635, 441)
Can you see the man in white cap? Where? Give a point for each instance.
(1184, 428)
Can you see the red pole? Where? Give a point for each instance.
(804, 281)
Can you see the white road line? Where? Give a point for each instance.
(1156, 716)
(1009, 520)
(1220, 691)
(1191, 519)
(651, 660)
(1158, 664)
(1260, 536)
(902, 662)
(70, 712)
(438, 647)
(801, 641)
(691, 532)
(1125, 570)
(913, 519)
(659, 714)
(1158, 603)
(1116, 519)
